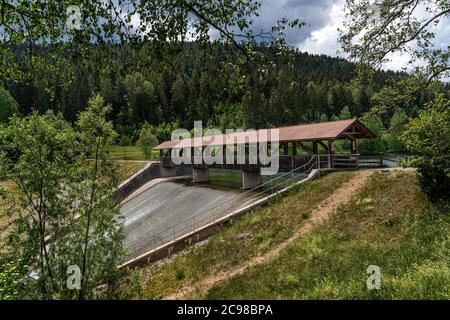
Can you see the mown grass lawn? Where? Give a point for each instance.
(389, 223)
(252, 234)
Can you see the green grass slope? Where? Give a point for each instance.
(389, 223)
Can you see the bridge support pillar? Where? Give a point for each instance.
(251, 178)
(200, 174)
(167, 172)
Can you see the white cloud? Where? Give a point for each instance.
(325, 40)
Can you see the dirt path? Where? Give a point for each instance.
(342, 195)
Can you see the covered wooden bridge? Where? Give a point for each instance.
(297, 146)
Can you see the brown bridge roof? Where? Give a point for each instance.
(333, 130)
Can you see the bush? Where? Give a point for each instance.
(11, 274)
(374, 145)
(428, 136)
(179, 274)
(147, 141)
(124, 141)
(8, 106)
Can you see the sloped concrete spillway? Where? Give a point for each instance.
(169, 209)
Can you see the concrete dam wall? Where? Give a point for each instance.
(150, 172)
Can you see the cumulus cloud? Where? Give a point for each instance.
(314, 12)
(324, 40)
(323, 18)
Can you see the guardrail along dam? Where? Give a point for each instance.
(168, 209)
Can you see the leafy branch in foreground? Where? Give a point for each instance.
(377, 28)
(42, 26)
(62, 208)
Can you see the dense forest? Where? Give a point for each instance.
(205, 84)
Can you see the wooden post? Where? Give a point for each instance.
(353, 150)
(330, 154)
(294, 148)
(315, 147)
(381, 159)
(286, 148)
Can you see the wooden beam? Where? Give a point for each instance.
(323, 145)
(351, 138)
(305, 147)
(353, 133)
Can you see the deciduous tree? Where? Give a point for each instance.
(63, 211)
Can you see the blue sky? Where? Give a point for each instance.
(323, 17)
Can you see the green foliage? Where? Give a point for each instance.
(343, 145)
(375, 145)
(63, 210)
(137, 70)
(428, 136)
(179, 274)
(396, 128)
(11, 275)
(191, 88)
(376, 29)
(147, 141)
(345, 113)
(57, 120)
(8, 106)
(163, 131)
(135, 281)
(124, 141)
(39, 158)
(99, 220)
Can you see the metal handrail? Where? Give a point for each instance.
(216, 212)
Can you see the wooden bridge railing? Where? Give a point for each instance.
(288, 162)
(285, 162)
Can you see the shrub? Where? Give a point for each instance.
(8, 106)
(428, 136)
(147, 141)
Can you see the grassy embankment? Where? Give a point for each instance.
(250, 235)
(389, 223)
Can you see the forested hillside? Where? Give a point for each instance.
(205, 84)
